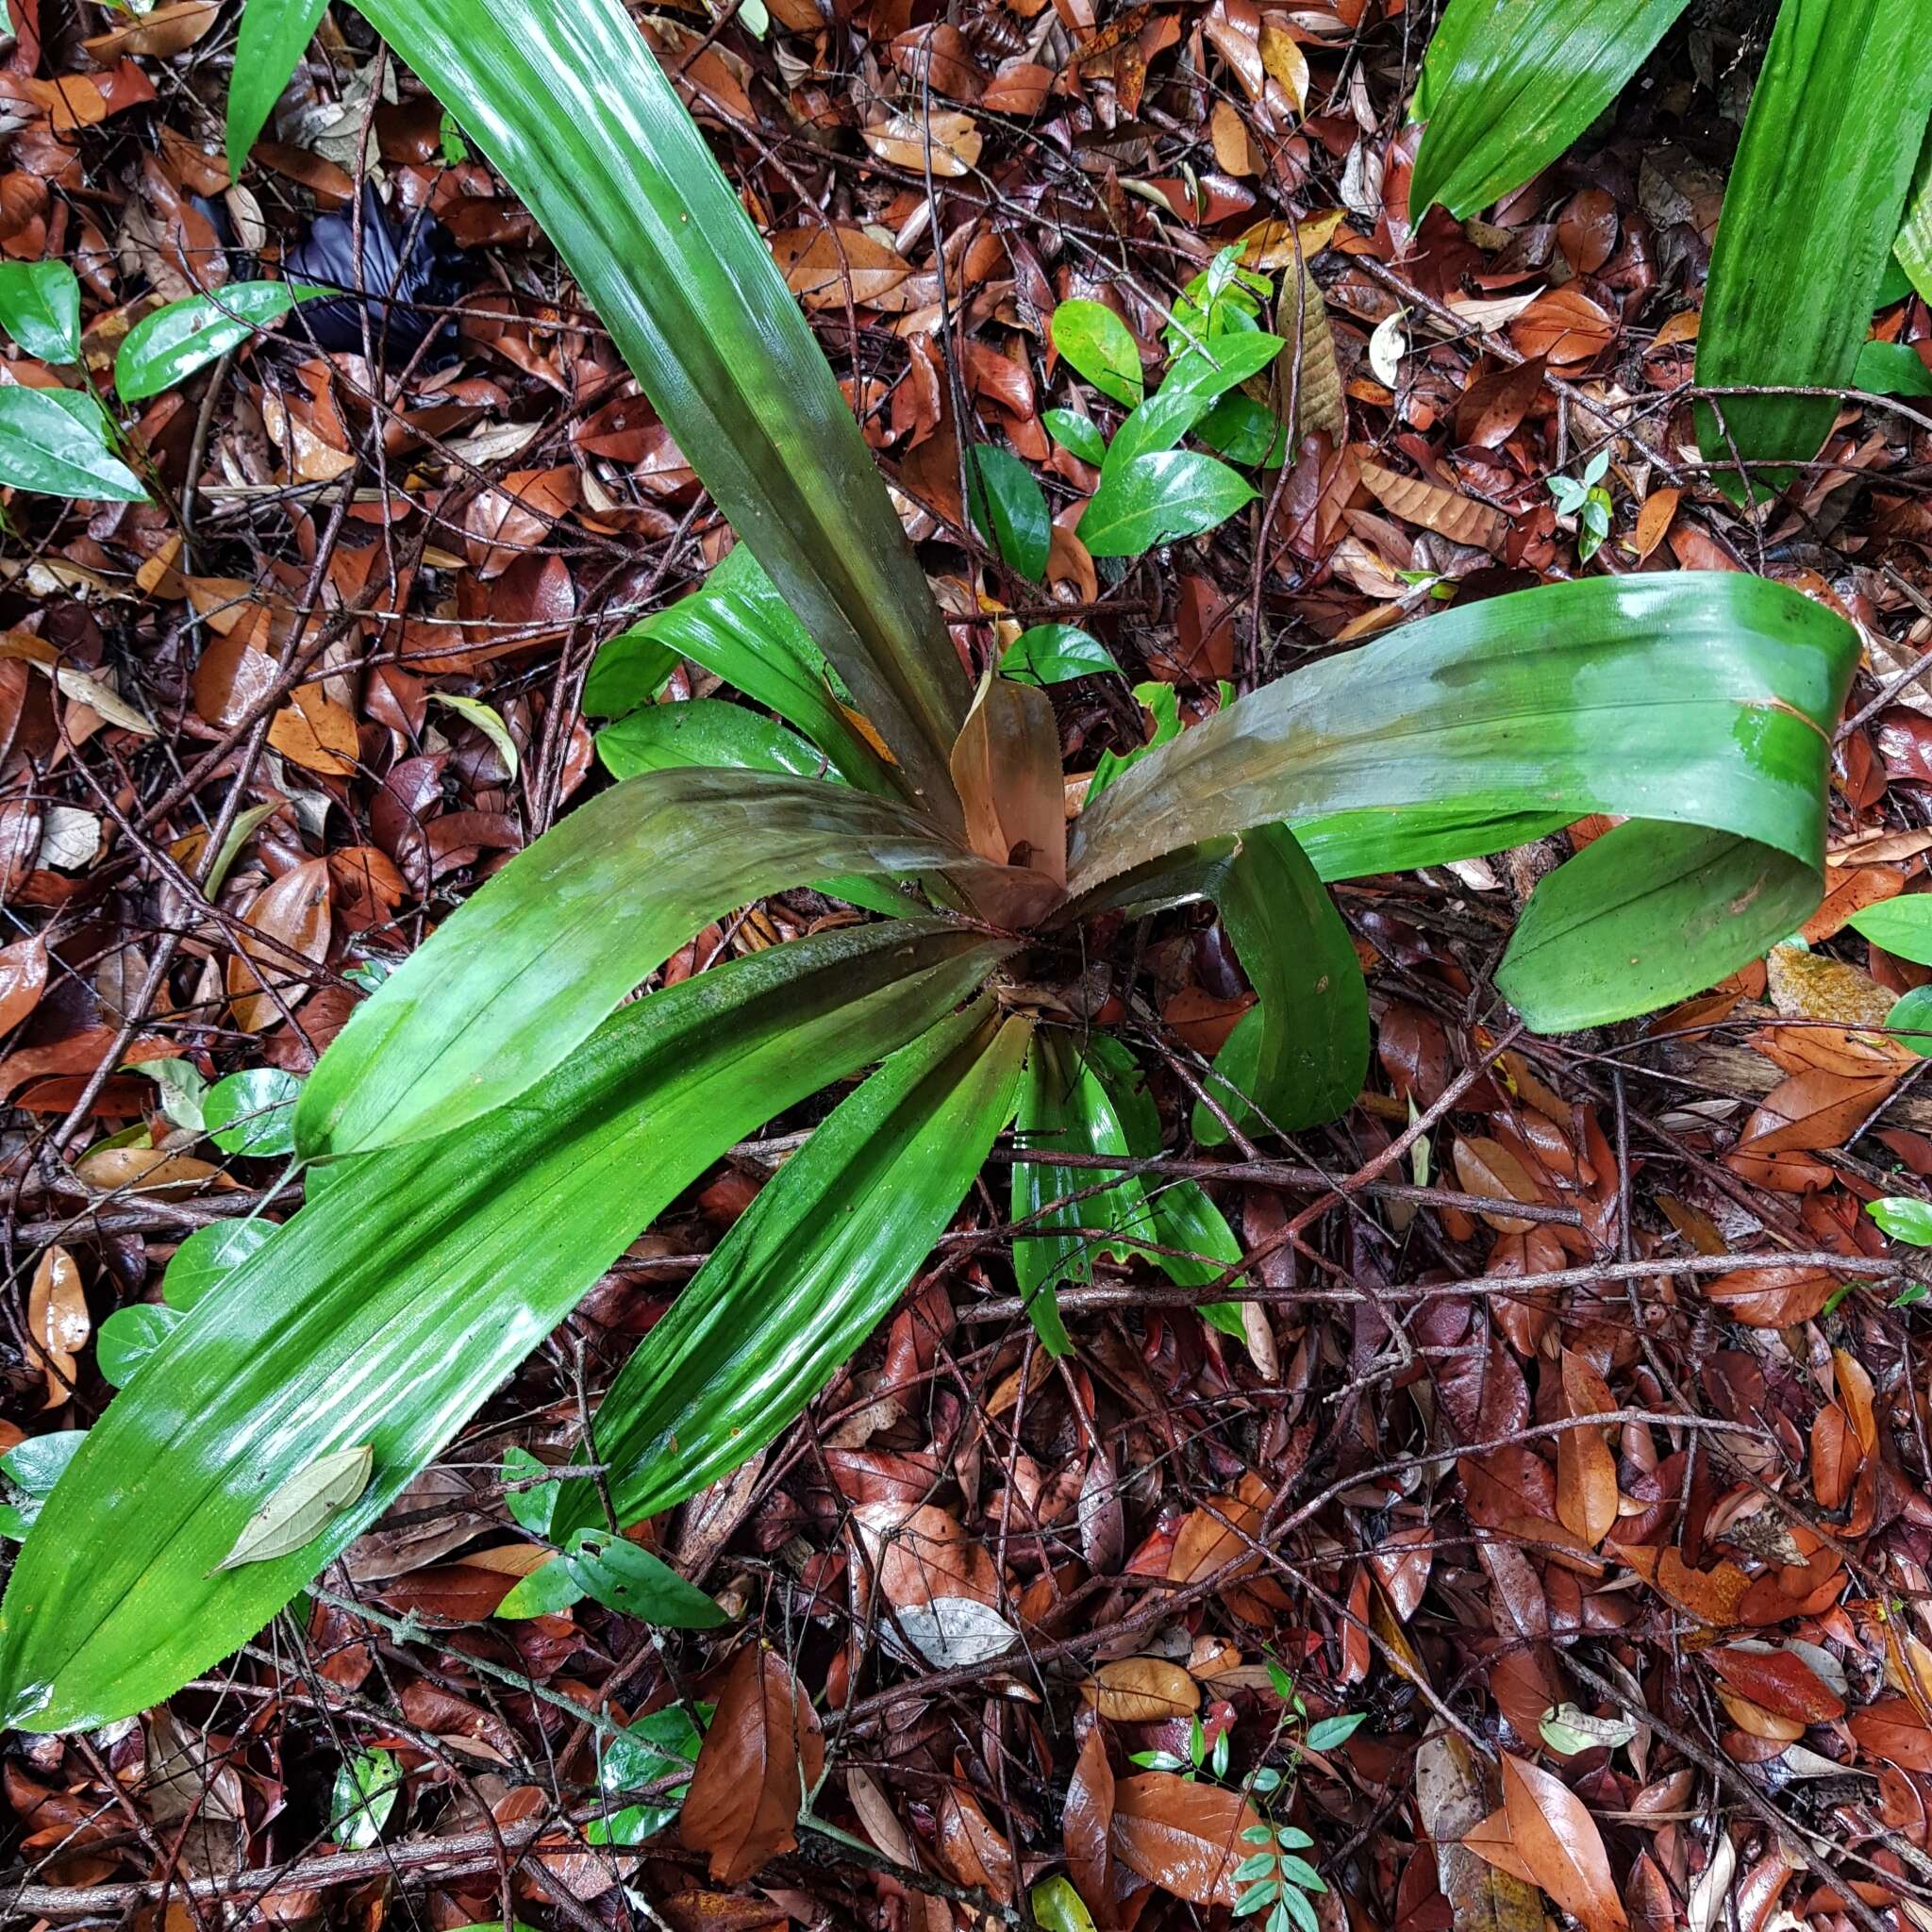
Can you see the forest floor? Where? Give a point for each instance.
(1360, 1548)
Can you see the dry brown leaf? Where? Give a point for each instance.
(1772, 1297)
(149, 1172)
(1458, 518)
(1317, 384)
(315, 731)
(1653, 521)
(23, 980)
(952, 140)
(762, 1755)
(1486, 1167)
(1087, 1823)
(294, 911)
(166, 31)
(1141, 1690)
(1559, 1844)
(1587, 1498)
(1454, 1804)
(1183, 1837)
(822, 265)
(58, 1322)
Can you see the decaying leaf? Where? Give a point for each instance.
(303, 1506)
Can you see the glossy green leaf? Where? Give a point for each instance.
(1510, 84)
(40, 307)
(55, 450)
(1813, 205)
(526, 968)
(1300, 1057)
(128, 1337)
(1240, 429)
(589, 132)
(1191, 387)
(1057, 1907)
(364, 1795)
(704, 731)
(625, 1578)
(32, 1468)
(549, 1588)
(656, 1747)
(724, 736)
(530, 1507)
(171, 344)
(388, 1309)
(1078, 433)
(1913, 249)
(807, 1270)
(737, 627)
(1903, 1218)
(208, 1256)
(1180, 1215)
(1704, 700)
(275, 35)
(1052, 653)
(1891, 369)
(1100, 346)
(253, 1112)
(1901, 925)
(1010, 507)
(1160, 499)
(1910, 1020)
(1063, 1108)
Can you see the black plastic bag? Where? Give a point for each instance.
(400, 295)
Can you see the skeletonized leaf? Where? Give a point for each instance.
(304, 1506)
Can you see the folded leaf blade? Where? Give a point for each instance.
(809, 1270)
(1510, 84)
(1696, 699)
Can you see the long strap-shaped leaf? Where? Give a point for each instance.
(1810, 213)
(1510, 84)
(527, 969)
(386, 1316)
(1913, 246)
(1703, 699)
(566, 100)
(809, 1270)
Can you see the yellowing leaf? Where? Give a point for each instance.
(299, 1512)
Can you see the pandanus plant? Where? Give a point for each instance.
(495, 1125)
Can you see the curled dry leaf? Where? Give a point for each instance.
(58, 1322)
(1449, 514)
(1087, 1823)
(295, 911)
(762, 1755)
(1486, 1167)
(1586, 1501)
(1559, 1844)
(1140, 1689)
(316, 732)
(1181, 1836)
(23, 980)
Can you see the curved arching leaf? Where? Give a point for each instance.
(807, 1270)
(1703, 700)
(384, 1312)
(524, 969)
(565, 98)
(1810, 213)
(1510, 84)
